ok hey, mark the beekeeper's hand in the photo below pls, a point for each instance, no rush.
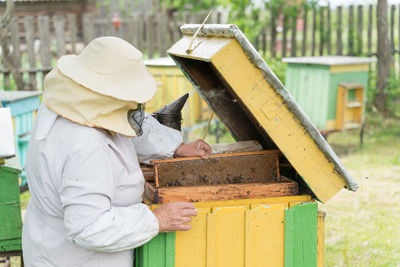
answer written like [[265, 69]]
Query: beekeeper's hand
[[175, 216], [198, 148]]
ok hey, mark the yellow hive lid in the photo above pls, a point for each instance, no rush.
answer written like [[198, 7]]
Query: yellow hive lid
[[251, 101]]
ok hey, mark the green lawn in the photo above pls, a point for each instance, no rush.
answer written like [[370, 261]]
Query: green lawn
[[362, 228]]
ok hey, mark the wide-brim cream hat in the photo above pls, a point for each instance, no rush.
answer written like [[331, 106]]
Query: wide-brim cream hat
[[86, 107], [112, 67]]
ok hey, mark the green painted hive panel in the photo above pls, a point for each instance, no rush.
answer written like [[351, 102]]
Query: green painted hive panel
[[10, 219], [301, 235], [158, 252], [309, 85]]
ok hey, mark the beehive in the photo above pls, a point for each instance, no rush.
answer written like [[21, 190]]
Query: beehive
[[247, 229], [10, 219], [23, 105], [315, 83]]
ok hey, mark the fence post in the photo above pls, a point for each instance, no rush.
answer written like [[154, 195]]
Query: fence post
[[303, 47], [314, 27], [45, 54], [150, 35], [339, 49], [293, 41], [350, 41], [328, 30], [16, 55], [370, 16], [273, 35], [321, 31], [28, 22], [88, 28], [360, 30], [59, 25], [284, 37], [72, 31]]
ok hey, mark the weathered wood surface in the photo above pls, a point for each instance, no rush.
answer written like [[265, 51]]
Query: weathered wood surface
[[339, 49], [360, 30], [241, 146], [350, 37], [219, 192], [230, 168]]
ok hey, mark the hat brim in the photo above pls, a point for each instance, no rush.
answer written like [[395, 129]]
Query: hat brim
[[138, 90]]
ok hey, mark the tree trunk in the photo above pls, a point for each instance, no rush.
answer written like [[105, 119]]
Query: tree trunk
[[384, 55]]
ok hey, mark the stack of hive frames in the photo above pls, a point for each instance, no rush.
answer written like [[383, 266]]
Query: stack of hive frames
[[221, 177]]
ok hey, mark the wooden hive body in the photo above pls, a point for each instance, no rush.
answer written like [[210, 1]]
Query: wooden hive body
[[270, 219]]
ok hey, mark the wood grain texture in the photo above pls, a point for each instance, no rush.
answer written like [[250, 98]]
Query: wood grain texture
[[301, 235], [229, 168], [219, 192]]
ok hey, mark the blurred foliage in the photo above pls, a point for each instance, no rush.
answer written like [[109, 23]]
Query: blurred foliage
[[248, 15], [278, 67], [392, 95]]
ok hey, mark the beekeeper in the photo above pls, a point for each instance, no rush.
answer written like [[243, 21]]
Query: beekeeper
[[82, 165]]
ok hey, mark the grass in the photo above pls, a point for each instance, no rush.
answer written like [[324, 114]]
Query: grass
[[362, 228]]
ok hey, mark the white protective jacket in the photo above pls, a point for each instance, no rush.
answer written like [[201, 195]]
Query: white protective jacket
[[86, 192]]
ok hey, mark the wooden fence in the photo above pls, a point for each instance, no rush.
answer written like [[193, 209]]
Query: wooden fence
[[44, 39], [320, 31]]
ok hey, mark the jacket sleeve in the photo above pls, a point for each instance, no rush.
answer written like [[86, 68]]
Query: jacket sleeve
[[88, 185], [157, 142]]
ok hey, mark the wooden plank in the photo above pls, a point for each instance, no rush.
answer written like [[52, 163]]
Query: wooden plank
[[273, 34], [370, 19], [392, 12], [140, 32], [359, 30], [271, 114], [321, 239], [191, 246], [72, 32], [350, 37], [328, 30], [45, 54], [314, 29], [203, 193], [175, 27], [284, 35], [227, 248], [304, 41], [242, 146], [339, 49], [88, 28], [29, 35], [265, 234], [301, 235], [321, 31], [15, 43], [162, 31], [293, 41], [133, 27], [150, 34], [59, 25]]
